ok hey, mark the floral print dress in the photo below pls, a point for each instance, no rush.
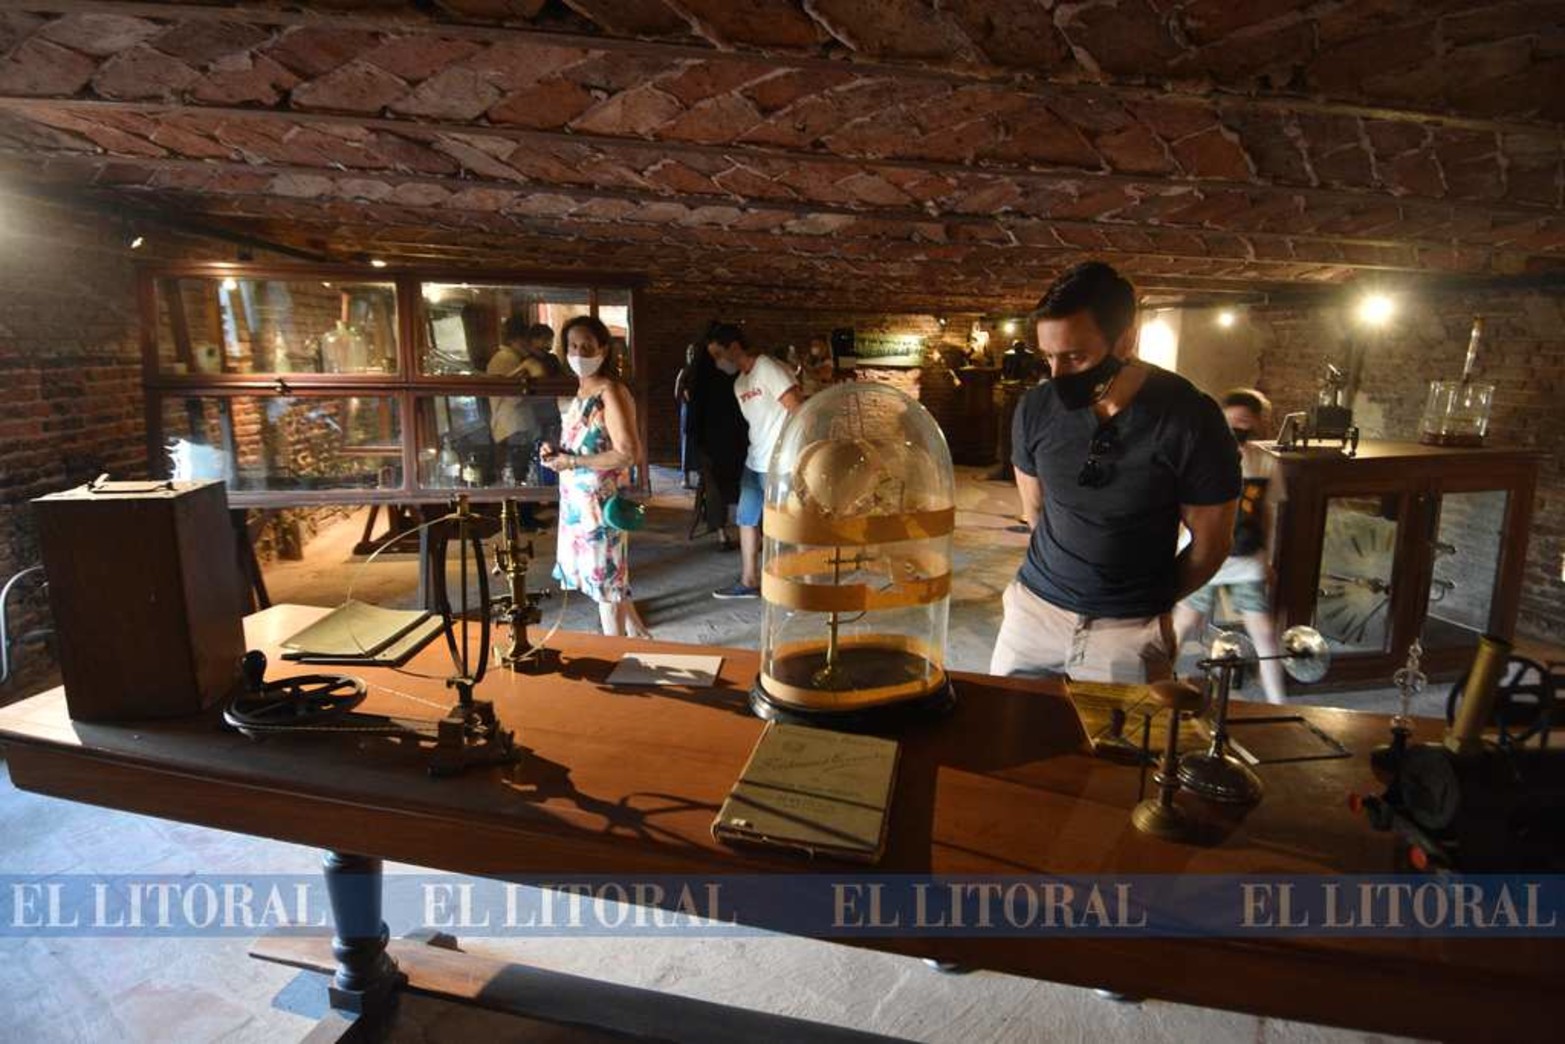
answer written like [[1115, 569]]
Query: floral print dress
[[590, 555]]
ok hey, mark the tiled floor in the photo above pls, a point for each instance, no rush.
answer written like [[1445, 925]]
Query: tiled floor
[[147, 988]]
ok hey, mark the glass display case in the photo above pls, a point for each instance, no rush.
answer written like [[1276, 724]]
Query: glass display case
[[463, 321], [1402, 541], [304, 384], [856, 563], [239, 324], [285, 443]]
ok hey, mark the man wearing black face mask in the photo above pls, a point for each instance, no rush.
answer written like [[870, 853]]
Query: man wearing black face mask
[[1111, 456]]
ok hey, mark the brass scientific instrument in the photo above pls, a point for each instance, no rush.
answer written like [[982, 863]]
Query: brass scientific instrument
[[1217, 774], [1160, 816], [1474, 804], [856, 564], [468, 734], [518, 609], [1410, 680], [1330, 419]]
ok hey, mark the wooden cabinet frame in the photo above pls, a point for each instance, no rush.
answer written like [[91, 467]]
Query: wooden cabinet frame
[[1418, 477]]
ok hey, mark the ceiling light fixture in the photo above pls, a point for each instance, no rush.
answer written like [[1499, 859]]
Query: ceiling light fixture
[[137, 242], [376, 262], [1226, 318]]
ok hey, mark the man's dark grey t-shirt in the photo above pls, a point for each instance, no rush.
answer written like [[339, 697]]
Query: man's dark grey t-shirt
[[1109, 551]]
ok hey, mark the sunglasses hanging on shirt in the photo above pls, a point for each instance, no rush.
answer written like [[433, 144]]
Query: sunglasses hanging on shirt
[[1098, 468]]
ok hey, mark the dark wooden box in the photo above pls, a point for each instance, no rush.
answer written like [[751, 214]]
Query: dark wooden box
[[146, 591]]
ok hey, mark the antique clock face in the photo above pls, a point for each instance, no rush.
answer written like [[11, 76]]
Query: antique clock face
[[1354, 595]]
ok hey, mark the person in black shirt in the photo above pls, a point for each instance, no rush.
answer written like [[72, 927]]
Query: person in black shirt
[[721, 436], [1111, 456]]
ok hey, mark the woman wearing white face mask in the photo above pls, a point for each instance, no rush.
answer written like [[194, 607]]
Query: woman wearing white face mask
[[598, 445]]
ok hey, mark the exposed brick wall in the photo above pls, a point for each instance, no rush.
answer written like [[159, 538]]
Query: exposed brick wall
[[71, 404], [1523, 354], [70, 380], [665, 325]]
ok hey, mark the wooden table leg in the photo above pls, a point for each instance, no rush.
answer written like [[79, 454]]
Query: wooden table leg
[[367, 979]]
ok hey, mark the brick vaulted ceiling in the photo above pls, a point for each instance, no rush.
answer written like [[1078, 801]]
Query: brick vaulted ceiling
[[936, 153]]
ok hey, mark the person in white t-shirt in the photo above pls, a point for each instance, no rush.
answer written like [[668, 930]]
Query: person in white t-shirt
[[768, 394], [1241, 579]]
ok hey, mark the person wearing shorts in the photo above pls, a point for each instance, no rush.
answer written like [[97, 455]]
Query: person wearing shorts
[[1241, 579], [768, 395]]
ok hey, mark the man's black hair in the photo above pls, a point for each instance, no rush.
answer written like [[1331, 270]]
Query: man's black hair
[[1249, 398], [726, 334], [1092, 287], [541, 330], [516, 328]]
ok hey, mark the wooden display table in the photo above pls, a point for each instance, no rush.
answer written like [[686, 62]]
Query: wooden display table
[[627, 782]]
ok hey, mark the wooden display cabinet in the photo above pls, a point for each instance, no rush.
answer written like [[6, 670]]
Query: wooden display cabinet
[[351, 384], [1401, 541]]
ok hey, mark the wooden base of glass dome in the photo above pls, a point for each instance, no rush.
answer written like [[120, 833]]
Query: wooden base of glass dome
[[869, 685]]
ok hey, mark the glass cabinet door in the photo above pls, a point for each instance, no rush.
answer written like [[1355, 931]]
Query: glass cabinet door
[[210, 325], [1466, 551], [278, 443], [1354, 587], [465, 323], [485, 441]]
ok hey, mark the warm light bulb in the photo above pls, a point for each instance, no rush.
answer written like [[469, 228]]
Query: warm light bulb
[[376, 262], [1376, 309], [1158, 345], [137, 242], [1009, 327], [230, 284], [1226, 318]]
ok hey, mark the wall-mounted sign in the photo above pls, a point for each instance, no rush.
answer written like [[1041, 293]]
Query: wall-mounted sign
[[889, 349]]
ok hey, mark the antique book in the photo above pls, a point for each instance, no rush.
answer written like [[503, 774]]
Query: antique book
[[813, 790]]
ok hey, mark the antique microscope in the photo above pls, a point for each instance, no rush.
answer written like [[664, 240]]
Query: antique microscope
[[516, 608]]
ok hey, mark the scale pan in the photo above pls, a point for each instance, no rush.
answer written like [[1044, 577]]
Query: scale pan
[[1305, 655], [1233, 645]]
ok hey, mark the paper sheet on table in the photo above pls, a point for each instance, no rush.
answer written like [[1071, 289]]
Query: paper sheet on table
[[666, 669]]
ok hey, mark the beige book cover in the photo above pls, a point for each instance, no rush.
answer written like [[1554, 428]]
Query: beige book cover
[[358, 630], [814, 790]]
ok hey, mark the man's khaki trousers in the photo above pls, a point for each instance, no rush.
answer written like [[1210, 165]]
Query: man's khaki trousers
[[1039, 638]]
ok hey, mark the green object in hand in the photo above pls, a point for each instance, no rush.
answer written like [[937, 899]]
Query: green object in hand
[[622, 513]]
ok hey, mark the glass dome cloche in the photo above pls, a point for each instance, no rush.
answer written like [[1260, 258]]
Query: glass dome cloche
[[856, 562]]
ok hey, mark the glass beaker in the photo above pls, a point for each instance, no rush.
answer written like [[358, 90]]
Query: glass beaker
[[1456, 413]]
